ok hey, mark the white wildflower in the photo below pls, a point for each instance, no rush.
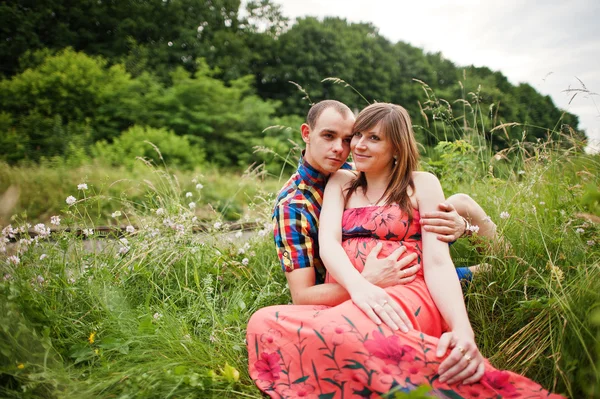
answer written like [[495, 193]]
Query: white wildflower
[[55, 220], [262, 233], [579, 230], [70, 200], [157, 316], [542, 203], [71, 280], [39, 279], [241, 251], [245, 261], [192, 205], [521, 172], [504, 215], [199, 186], [188, 194], [41, 230], [82, 186], [14, 260], [8, 231], [43, 256], [474, 228], [591, 243], [7, 277], [124, 241], [123, 250], [217, 225], [238, 234], [88, 232], [160, 211], [115, 214], [194, 219], [487, 219], [130, 229]]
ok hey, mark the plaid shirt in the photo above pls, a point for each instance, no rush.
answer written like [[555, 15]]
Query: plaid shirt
[[296, 220]]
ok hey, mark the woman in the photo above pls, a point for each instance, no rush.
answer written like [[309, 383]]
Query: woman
[[346, 350]]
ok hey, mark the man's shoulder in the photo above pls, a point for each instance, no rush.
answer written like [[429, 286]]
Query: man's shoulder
[[293, 194]]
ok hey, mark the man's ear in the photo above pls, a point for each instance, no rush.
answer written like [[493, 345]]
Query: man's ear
[[305, 130]]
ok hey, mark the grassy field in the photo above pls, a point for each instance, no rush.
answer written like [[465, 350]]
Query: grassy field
[[161, 312]]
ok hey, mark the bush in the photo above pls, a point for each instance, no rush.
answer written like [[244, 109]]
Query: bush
[[175, 151]]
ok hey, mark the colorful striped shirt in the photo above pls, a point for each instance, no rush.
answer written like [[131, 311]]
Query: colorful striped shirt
[[296, 220]]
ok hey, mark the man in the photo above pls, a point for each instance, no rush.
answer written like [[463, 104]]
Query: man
[[327, 134]]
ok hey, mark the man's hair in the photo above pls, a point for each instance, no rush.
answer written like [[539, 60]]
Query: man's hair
[[397, 127], [317, 109]]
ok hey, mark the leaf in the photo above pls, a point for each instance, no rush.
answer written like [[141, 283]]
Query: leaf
[[333, 382], [146, 326], [349, 321], [353, 365], [180, 370], [301, 379], [417, 311], [330, 395], [320, 336], [230, 373], [81, 353]]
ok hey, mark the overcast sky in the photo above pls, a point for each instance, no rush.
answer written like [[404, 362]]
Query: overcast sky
[[546, 44]]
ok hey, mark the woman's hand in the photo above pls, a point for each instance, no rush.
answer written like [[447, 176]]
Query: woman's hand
[[465, 363], [378, 305]]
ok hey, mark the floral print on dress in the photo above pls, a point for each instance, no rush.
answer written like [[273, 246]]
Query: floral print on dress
[[320, 352]]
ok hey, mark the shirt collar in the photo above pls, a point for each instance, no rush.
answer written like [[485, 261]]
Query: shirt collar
[[309, 174]]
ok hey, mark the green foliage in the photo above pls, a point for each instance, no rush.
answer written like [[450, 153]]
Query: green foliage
[[145, 142], [57, 103], [164, 312], [226, 118]]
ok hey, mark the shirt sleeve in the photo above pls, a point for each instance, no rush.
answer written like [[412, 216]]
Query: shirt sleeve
[[295, 247]]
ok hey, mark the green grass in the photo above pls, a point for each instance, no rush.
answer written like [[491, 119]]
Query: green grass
[[167, 318], [163, 314]]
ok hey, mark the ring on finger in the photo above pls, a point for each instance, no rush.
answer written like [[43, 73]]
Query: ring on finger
[[468, 357], [461, 349], [384, 303]]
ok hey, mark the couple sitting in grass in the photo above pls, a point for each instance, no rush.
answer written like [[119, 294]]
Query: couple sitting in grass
[[378, 306]]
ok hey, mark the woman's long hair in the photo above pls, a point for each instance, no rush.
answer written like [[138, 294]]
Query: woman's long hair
[[396, 125]]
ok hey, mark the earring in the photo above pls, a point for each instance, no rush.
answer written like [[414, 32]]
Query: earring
[[395, 159]]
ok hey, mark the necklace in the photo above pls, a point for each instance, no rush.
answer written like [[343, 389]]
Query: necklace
[[371, 203]]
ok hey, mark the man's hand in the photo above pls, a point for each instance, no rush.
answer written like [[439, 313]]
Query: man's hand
[[390, 270], [446, 223]]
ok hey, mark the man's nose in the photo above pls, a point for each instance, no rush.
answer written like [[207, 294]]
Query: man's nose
[[338, 145]]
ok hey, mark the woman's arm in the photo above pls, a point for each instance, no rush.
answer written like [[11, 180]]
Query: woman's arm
[[372, 300], [465, 362]]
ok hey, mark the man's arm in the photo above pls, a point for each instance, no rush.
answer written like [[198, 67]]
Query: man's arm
[[381, 272], [295, 250]]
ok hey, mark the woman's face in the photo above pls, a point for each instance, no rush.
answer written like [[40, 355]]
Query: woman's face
[[372, 150]]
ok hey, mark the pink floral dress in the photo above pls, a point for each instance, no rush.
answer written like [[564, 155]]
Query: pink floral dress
[[321, 352]]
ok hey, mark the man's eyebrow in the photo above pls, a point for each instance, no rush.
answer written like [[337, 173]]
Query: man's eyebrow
[[328, 131]]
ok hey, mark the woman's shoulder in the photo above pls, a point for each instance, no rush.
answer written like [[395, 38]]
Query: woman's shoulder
[[424, 178], [342, 177]]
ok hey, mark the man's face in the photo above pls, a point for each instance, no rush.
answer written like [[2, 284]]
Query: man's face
[[328, 142]]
